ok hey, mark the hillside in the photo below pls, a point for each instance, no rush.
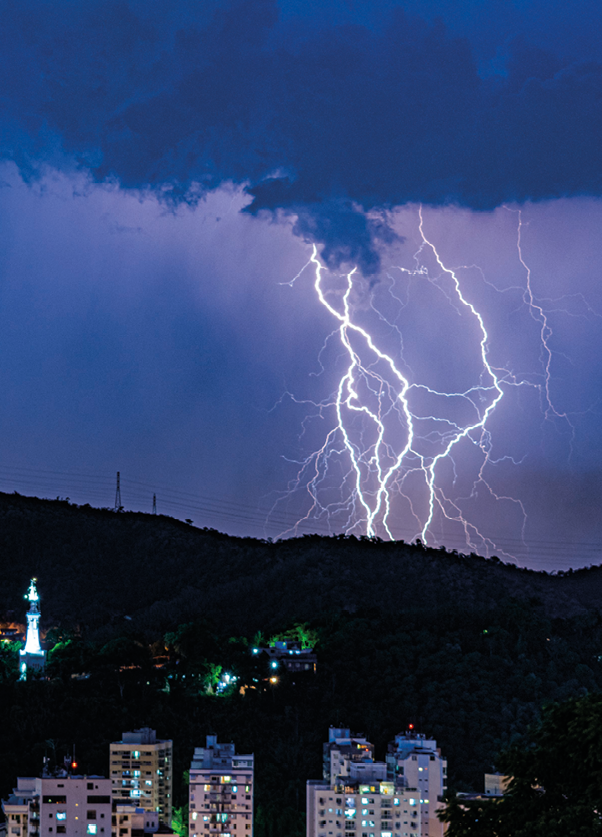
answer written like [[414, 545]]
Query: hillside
[[95, 566], [466, 649]]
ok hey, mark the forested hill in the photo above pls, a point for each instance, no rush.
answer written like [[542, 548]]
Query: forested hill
[[96, 566]]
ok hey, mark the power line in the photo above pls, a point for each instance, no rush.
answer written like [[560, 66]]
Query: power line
[[226, 511]]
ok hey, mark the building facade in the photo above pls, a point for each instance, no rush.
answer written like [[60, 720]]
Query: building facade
[[129, 821], [74, 806], [221, 791], [360, 797], [141, 772], [415, 761]]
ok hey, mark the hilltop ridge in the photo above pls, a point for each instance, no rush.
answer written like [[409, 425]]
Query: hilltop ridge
[[96, 565]]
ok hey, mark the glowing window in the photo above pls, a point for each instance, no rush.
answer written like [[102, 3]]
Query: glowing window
[[396, 801], [135, 754], [412, 801], [136, 773], [234, 789], [61, 815], [207, 787], [92, 828], [195, 815], [225, 779]]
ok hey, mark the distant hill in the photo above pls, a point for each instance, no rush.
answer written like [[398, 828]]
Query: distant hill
[[466, 649], [96, 566]]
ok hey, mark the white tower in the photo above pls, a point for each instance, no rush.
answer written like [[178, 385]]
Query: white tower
[[32, 655]]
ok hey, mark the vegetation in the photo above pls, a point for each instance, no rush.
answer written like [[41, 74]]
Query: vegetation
[[147, 615], [556, 785]]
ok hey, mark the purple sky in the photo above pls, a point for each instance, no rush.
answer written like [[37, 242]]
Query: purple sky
[[159, 344], [148, 330]]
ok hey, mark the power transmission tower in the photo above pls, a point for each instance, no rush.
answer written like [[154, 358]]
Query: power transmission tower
[[154, 504], [118, 494]]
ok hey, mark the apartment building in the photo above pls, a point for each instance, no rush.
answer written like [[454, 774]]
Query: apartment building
[[130, 821], [141, 772], [415, 761], [360, 797], [74, 806], [221, 791]]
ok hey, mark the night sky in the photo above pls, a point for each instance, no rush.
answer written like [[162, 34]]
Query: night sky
[[166, 171]]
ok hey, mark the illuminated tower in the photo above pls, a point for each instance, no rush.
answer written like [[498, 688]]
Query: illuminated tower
[[32, 655]]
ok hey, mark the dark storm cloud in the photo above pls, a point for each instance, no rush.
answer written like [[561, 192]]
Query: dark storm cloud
[[326, 121]]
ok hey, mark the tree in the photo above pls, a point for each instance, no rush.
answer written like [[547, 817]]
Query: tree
[[556, 784]]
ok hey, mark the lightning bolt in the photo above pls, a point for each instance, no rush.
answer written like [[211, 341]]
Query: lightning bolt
[[384, 445]]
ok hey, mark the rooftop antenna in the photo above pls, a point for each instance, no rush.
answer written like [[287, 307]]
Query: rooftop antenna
[[118, 493], [154, 504]]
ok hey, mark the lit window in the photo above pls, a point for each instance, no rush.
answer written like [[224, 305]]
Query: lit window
[[148, 782], [234, 789], [135, 754], [225, 779], [92, 827], [61, 815], [136, 773], [364, 801], [195, 815], [396, 801], [207, 787]]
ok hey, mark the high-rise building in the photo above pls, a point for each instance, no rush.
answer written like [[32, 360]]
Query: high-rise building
[[221, 791], [415, 761], [32, 657], [141, 772], [360, 797], [74, 806]]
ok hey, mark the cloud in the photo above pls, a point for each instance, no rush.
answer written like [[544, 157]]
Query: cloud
[[352, 116]]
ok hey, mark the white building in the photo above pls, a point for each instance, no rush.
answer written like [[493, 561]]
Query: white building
[[129, 821], [32, 657], [415, 761], [221, 791], [71, 805], [141, 772], [359, 797]]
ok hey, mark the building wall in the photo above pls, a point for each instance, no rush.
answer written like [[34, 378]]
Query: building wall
[[74, 806], [221, 792], [141, 775], [378, 810], [129, 821]]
